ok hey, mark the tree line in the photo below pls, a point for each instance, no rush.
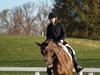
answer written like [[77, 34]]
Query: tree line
[[29, 18], [81, 18]]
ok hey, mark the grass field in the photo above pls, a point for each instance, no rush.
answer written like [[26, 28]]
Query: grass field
[[22, 51]]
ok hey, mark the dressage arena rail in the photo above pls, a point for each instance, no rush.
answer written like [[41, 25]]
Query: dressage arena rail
[[37, 70]]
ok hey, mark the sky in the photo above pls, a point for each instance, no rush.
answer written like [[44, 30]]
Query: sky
[[10, 4]]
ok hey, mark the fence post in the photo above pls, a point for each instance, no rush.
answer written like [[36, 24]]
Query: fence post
[[81, 73], [37, 73], [90, 73]]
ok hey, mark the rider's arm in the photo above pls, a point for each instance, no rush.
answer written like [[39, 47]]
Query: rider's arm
[[62, 34]]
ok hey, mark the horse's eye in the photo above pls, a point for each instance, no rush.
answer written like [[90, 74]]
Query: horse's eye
[[44, 52]]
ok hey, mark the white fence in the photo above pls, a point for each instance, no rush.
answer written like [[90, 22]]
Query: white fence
[[37, 70]]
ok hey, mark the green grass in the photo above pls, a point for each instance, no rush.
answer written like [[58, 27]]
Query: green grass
[[22, 51], [87, 51], [20, 73]]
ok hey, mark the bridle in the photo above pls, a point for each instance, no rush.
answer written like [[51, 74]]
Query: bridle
[[54, 56]]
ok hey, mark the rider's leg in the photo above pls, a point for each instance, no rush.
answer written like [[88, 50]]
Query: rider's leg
[[77, 67]]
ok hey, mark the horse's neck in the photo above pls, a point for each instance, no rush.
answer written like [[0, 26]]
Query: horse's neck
[[61, 55], [54, 47], [63, 61], [60, 61]]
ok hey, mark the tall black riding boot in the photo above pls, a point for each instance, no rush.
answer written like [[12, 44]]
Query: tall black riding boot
[[77, 67], [49, 71]]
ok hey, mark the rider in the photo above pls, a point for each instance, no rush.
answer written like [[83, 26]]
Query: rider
[[56, 32]]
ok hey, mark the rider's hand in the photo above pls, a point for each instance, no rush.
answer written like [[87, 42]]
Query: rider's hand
[[61, 41]]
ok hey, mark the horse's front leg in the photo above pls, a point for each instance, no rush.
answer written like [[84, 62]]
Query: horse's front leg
[[49, 71]]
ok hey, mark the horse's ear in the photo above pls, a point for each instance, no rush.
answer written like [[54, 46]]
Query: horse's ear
[[38, 44], [46, 43]]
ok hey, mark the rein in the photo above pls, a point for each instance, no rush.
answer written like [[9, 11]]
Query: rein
[[56, 55]]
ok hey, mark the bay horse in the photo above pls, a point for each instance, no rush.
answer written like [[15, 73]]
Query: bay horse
[[56, 58]]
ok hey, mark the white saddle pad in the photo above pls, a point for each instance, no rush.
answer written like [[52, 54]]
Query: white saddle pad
[[65, 49]]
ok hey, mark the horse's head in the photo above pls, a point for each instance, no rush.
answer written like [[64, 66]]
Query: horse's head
[[47, 52]]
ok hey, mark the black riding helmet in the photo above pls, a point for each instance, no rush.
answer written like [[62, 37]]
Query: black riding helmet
[[51, 15]]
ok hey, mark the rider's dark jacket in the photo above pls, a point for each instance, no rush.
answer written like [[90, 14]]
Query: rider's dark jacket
[[56, 32]]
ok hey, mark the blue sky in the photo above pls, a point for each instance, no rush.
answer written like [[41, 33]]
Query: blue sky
[[9, 4]]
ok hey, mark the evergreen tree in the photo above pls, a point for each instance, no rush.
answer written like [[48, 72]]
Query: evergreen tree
[[80, 17]]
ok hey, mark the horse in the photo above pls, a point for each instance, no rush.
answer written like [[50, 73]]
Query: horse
[[56, 58]]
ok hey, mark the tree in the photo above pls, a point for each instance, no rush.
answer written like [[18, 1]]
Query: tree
[[80, 17], [42, 16], [23, 18], [90, 15], [17, 19], [4, 21]]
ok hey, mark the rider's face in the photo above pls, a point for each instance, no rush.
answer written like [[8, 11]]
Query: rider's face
[[53, 20]]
